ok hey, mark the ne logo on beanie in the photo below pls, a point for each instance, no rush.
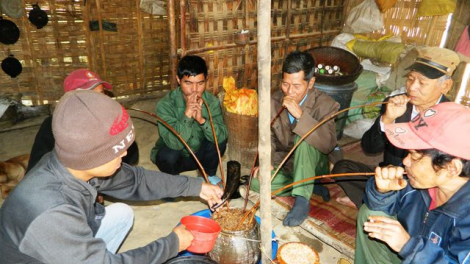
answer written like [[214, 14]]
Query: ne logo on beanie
[[119, 124], [90, 129]]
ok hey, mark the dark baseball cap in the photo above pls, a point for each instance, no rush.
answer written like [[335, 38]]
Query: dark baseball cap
[[435, 62]]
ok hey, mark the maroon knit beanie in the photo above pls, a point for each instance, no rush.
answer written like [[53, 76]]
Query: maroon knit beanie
[[90, 129]]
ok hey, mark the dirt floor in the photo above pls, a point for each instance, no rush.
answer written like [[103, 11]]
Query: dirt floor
[[156, 219]]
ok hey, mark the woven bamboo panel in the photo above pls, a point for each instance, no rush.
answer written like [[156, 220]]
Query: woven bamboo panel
[[296, 25], [401, 20], [131, 57], [46, 54], [460, 19], [134, 59]]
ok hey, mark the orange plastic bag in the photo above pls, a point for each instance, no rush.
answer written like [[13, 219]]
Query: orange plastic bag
[[385, 5], [242, 101]]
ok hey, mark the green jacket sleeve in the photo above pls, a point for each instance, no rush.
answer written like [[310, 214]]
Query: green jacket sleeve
[[173, 114], [217, 118]]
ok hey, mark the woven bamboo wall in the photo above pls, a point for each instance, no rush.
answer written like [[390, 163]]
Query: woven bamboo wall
[[46, 54], [134, 59], [401, 20], [461, 18], [136, 54], [211, 27]]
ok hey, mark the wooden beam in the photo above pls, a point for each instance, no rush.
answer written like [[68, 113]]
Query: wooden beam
[[104, 74], [264, 143], [173, 48], [183, 27], [91, 58], [140, 45]]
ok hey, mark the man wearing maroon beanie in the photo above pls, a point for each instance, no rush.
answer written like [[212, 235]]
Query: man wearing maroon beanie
[[81, 79], [52, 217]]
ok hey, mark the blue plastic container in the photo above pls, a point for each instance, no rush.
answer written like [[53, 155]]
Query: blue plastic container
[[207, 214]]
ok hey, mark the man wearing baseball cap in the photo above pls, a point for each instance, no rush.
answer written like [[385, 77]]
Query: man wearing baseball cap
[[427, 82], [84, 79], [51, 216], [420, 213], [81, 79]]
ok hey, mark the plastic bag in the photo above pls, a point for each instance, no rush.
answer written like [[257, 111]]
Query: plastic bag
[[385, 5], [373, 111], [340, 41], [154, 7], [357, 128], [364, 18], [382, 51], [242, 101], [463, 46], [436, 7]]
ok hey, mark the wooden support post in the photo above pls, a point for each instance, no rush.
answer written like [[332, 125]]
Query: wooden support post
[[183, 26], [264, 143], [140, 44], [91, 58], [173, 52], [103, 74]]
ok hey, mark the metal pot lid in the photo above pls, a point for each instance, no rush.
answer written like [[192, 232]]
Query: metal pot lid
[[38, 17], [12, 66], [192, 259], [12, 8], [9, 32]]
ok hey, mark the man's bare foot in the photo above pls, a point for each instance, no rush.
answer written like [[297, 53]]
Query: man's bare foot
[[346, 201]]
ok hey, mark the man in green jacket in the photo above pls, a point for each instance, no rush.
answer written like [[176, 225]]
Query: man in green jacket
[[183, 109], [305, 107]]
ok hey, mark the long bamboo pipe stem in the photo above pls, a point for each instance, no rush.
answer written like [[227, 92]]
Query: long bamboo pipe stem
[[303, 137], [216, 143], [253, 209], [252, 171], [314, 128], [177, 135]]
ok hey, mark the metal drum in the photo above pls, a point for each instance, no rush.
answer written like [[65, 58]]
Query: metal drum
[[237, 247], [343, 95]]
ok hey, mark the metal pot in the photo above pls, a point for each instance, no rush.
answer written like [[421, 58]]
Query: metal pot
[[38, 17], [238, 247], [12, 66], [9, 32], [191, 260]]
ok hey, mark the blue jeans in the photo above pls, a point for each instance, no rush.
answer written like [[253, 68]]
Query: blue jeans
[[115, 225]]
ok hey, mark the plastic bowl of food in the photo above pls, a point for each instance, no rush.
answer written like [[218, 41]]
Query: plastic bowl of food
[[297, 253]]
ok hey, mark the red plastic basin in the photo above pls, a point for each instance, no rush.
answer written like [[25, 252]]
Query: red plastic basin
[[204, 230]]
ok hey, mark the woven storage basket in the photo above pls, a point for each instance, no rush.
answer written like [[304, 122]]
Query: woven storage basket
[[242, 137], [346, 61]]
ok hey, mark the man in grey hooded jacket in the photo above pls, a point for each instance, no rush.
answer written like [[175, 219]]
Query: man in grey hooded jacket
[[52, 217]]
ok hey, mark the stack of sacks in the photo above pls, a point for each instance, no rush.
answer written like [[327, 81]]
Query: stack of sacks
[[381, 50]]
